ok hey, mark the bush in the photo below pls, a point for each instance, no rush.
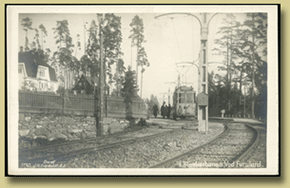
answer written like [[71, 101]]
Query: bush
[[142, 122], [131, 121]]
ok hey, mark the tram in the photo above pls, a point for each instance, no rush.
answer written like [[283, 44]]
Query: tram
[[184, 103]]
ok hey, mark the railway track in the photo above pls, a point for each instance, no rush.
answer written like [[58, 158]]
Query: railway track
[[140, 153], [68, 144], [233, 145], [61, 151]]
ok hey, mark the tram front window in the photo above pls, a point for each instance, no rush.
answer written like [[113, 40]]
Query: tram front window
[[189, 97], [181, 97]]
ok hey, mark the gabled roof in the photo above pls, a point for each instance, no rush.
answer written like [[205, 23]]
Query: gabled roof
[[32, 61], [91, 80]]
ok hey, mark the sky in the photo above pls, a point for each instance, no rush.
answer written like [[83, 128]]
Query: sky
[[169, 39]]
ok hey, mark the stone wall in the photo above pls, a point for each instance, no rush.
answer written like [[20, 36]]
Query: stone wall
[[52, 127]]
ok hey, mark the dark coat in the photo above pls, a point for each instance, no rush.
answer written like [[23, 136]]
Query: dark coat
[[168, 110], [155, 110]]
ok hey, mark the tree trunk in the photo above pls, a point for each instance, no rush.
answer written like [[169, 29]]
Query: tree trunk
[[253, 69], [141, 82], [26, 42], [42, 40], [129, 113], [137, 65], [245, 100], [227, 80], [230, 68], [117, 75], [240, 88]]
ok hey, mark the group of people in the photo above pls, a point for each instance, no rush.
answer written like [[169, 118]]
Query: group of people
[[165, 110]]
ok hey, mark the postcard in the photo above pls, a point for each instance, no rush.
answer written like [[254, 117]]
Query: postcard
[[143, 90]]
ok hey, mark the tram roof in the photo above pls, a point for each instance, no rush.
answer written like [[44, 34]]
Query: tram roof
[[184, 88]]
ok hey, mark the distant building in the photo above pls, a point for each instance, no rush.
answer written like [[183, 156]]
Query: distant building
[[34, 74], [87, 85]]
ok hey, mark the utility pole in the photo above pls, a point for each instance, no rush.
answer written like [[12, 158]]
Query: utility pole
[[253, 69], [245, 96], [101, 84], [204, 20], [169, 96]]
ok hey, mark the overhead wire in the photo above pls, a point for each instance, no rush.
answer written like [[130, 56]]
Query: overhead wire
[[180, 74], [168, 46], [176, 38], [192, 39], [184, 76], [211, 43]]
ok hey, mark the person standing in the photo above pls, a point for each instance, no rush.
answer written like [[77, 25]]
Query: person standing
[[165, 111], [168, 111], [180, 112], [162, 110], [155, 110]]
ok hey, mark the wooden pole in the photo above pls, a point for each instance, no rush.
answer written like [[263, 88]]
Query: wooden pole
[[253, 69], [99, 117]]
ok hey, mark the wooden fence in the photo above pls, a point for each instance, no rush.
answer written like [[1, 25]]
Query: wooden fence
[[30, 102]]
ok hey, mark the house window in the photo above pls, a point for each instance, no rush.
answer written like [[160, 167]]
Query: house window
[[41, 72], [20, 70]]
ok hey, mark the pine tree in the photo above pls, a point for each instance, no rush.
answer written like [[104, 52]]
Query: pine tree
[[137, 37], [112, 45], [119, 75], [26, 24], [142, 61], [43, 34], [245, 49], [130, 87], [253, 50], [90, 61], [257, 24], [129, 90], [226, 46], [63, 56]]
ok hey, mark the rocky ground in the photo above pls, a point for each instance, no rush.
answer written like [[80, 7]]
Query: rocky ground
[[38, 130], [141, 154], [146, 153]]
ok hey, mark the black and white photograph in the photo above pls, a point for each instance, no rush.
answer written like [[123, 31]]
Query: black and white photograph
[[146, 90]]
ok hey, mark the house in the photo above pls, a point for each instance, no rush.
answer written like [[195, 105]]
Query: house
[[87, 85], [35, 74]]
